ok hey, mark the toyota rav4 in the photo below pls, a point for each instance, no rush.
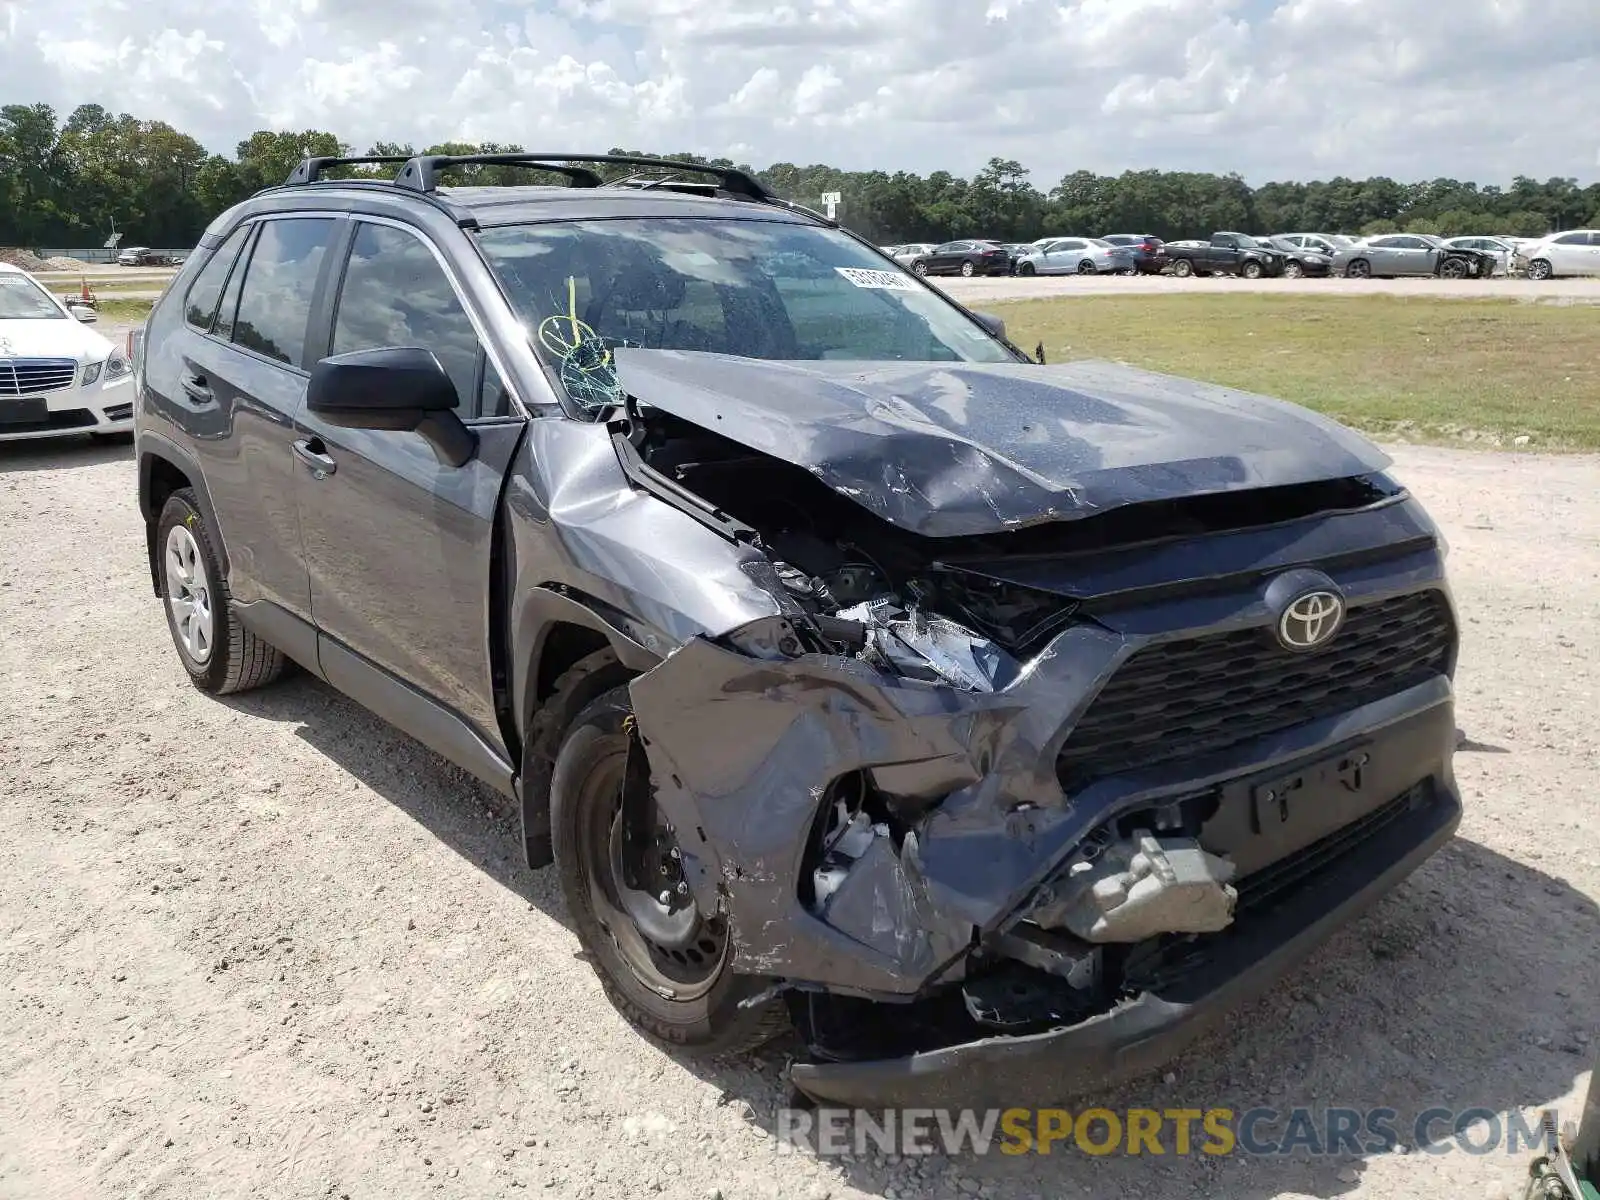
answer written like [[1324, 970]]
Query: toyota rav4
[[998, 725]]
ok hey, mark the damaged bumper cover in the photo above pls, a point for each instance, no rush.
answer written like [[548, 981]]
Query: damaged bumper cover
[[748, 746]]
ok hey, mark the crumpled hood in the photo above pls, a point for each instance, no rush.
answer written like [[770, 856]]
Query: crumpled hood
[[50, 338], [956, 449]]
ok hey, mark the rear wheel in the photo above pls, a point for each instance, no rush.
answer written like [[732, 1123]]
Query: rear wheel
[[220, 655], [1540, 269], [1183, 268], [663, 963], [1086, 267]]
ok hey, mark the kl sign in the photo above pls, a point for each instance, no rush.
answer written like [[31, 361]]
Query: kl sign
[[830, 201]]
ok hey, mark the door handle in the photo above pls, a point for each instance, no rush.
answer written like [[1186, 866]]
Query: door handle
[[196, 386], [314, 454]]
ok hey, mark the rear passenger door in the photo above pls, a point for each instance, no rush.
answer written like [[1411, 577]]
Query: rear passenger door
[[399, 544], [242, 379]]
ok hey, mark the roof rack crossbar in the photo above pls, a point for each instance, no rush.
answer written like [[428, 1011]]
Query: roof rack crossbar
[[421, 173], [310, 169]]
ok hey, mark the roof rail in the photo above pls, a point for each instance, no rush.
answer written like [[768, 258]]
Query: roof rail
[[421, 173], [310, 169]]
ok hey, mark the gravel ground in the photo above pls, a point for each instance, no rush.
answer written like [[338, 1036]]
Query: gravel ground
[[268, 946], [1560, 291]]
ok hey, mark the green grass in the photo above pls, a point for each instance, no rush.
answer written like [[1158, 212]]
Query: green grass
[[1481, 371], [129, 312]]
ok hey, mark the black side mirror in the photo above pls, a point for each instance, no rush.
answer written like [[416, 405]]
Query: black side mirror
[[992, 323], [400, 388]]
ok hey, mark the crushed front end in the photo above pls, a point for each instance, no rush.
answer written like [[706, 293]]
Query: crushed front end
[[1007, 814]]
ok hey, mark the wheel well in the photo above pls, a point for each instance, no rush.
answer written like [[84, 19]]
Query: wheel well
[[565, 645], [161, 479]]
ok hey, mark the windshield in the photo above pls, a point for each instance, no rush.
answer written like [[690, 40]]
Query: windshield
[[21, 299], [756, 289], [1246, 242]]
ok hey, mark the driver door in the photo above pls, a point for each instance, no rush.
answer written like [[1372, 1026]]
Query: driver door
[[398, 543]]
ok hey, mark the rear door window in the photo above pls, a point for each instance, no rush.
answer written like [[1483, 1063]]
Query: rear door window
[[275, 301]]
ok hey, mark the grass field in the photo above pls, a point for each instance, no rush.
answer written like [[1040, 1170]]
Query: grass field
[[1438, 370], [1480, 371], [125, 311]]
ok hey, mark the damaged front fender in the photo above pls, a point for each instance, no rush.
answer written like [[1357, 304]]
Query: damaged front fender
[[744, 751]]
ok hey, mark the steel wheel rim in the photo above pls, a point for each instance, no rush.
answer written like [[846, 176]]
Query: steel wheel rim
[[189, 595], [680, 974]]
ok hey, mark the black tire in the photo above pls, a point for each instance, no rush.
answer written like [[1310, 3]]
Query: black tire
[[1251, 269], [1294, 270], [575, 689], [237, 660], [919, 268], [1183, 268], [1358, 268], [1086, 267], [1453, 268], [710, 1023], [968, 270], [1541, 269], [1026, 268]]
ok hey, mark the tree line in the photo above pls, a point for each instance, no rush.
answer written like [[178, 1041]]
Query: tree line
[[74, 182]]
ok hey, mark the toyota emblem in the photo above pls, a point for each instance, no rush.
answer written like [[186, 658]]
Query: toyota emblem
[[1310, 620]]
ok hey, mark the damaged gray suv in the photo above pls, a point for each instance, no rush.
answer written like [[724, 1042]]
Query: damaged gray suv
[[996, 725]]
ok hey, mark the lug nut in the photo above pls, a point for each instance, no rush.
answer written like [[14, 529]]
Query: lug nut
[[676, 853], [666, 897], [683, 889]]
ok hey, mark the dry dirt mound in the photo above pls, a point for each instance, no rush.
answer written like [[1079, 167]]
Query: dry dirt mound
[[26, 259]]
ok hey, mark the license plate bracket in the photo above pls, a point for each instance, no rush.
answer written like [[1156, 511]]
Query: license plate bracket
[[30, 410], [1272, 800]]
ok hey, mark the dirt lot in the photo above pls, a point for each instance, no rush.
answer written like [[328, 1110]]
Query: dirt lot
[[270, 947]]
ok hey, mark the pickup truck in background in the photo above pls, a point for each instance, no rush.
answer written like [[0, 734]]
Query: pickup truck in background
[[1225, 254]]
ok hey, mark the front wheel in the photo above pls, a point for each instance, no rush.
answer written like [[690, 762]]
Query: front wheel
[[1026, 268], [664, 965], [919, 268], [1183, 268], [1540, 269], [1452, 268], [220, 655], [1294, 271], [1251, 270], [1359, 269]]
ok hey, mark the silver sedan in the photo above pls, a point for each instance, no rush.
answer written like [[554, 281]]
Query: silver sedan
[[1076, 256]]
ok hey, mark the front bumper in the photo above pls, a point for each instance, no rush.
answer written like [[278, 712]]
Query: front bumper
[[1150, 1029], [96, 408]]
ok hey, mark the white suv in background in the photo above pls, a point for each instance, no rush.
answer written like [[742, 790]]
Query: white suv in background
[[1575, 252], [56, 377]]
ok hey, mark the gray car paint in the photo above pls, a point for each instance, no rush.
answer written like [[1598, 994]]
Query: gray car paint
[[952, 449], [739, 735]]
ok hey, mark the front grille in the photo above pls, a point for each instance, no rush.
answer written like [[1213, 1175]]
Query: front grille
[[1181, 699], [31, 376]]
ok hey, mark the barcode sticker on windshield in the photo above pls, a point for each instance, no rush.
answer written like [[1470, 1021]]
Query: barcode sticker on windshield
[[885, 280]]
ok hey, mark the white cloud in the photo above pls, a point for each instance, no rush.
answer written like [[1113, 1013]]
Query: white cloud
[[1269, 88]]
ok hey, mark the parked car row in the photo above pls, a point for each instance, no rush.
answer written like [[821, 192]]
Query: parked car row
[[1290, 255]]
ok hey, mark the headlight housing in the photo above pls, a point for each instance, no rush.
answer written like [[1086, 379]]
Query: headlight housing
[[118, 366], [91, 373]]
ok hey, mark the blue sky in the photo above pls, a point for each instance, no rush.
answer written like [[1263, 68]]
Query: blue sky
[[1481, 89]]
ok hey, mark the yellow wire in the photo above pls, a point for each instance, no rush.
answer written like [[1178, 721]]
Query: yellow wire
[[572, 309]]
